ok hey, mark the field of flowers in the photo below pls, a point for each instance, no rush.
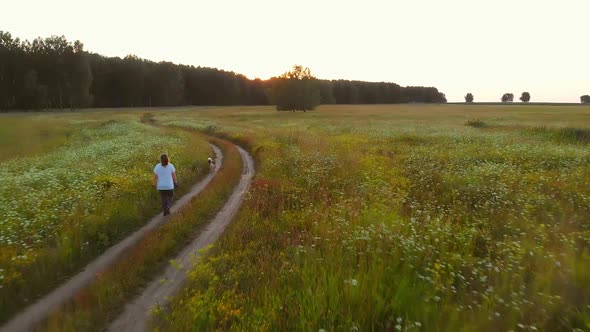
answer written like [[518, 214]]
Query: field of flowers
[[400, 218], [96, 306], [62, 207]]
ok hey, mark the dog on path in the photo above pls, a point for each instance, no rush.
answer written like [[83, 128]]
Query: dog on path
[[211, 163]]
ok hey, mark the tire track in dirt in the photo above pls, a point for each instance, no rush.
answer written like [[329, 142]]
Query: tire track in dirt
[[31, 316], [136, 315]]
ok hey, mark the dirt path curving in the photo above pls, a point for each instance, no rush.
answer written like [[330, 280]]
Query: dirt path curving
[[27, 319], [136, 316]]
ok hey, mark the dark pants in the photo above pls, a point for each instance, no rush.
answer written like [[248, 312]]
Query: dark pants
[[166, 196]]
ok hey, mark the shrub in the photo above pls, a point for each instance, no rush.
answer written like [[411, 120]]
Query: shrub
[[476, 123]]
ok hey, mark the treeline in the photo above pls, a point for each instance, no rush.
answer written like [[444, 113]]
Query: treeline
[[358, 92], [53, 73]]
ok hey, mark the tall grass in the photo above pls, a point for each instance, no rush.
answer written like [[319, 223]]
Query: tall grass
[[61, 209], [385, 218], [26, 136], [94, 307], [476, 123], [565, 135], [394, 227]]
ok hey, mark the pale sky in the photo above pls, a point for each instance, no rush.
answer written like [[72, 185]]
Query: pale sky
[[481, 46]]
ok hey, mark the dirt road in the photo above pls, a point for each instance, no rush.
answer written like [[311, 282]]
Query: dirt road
[[136, 316]]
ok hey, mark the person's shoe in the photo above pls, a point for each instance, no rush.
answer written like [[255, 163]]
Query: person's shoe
[[167, 212]]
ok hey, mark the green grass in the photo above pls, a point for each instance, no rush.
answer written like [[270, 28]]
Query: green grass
[[564, 135], [387, 217], [64, 206], [99, 303], [475, 123], [400, 218], [26, 136]]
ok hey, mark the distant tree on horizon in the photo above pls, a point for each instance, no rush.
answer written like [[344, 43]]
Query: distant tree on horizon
[[525, 97], [296, 90], [508, 98], [585, 99], [469, 98]]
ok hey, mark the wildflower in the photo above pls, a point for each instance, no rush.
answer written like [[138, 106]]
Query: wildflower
[[352, 282]]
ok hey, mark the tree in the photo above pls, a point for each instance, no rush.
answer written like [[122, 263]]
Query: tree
[[296, 90], [326, 93], [132, 79], [420, 94], [8, 66], [508, 98], [298, 73], [80, 78], [585, 99], [165, 86], [34, 95], [469, 98], [525, 97]]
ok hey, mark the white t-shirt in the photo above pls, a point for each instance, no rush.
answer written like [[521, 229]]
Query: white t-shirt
[[164, 174]]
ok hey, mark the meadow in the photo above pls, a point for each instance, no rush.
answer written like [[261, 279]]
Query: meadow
[[385, 217], [97, 305], [400, 218], [73, 185]]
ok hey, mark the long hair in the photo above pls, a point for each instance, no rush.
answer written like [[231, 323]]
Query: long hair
[[164, 159]]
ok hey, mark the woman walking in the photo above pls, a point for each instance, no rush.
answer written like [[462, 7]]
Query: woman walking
[[165, 182]]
